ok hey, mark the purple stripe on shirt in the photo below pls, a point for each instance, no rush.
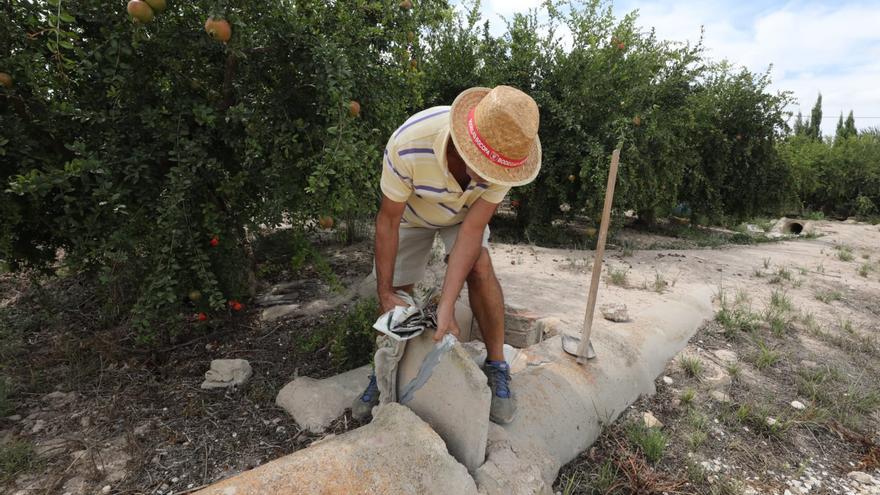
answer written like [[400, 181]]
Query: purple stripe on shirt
[[454, 212], [420, 218], [388, 161], [411, 151], [408, 124], [433, 189]]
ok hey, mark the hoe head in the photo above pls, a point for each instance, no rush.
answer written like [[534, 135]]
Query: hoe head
[[570, 344]]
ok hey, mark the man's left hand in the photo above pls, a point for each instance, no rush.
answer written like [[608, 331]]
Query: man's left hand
[[446, 323]]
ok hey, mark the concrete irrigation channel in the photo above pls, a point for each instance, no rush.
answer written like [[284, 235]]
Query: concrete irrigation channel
[[442, 442]]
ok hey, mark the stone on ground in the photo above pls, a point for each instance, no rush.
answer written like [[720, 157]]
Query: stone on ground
[[861, 476], [614, 312], [314, 404], [454, 401], [720, 396], [726, 356], [798, 405], [650, 420], [396, 453], [227, 373]]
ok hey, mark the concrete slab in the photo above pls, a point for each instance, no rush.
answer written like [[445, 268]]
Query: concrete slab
[[314, 404], [455, 400], [396, 453], [562, 405]]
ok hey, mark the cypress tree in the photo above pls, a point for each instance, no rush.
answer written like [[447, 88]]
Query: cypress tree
[[849, 128], [815, 126], [840, 133]]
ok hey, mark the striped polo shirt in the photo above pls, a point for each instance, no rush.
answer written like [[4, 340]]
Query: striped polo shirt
[[415, 172]]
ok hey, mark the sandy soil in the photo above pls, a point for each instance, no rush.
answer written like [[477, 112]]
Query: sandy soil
[[799, 323]]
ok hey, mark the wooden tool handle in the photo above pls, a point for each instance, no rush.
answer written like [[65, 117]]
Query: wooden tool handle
[[597, 260]]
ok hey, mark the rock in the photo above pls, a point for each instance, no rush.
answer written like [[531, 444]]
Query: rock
[[106, 489], [754, 229], [39, 425], [396, 453], [614, 312], [51, 447], [314, 404], [720, 396], [227, 373], [861, 477], [14, 418], [726, 356], [76, 485], [58, 399], [668, 380], [650, 420], [798, 405], [772, 421], [113, 459], [275, 312], [457, 384], [142, 429], [511, 469]]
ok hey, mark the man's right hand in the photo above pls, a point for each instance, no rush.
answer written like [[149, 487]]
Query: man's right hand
[[388, 300]]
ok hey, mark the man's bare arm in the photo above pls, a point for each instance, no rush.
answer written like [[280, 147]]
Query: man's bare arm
[[461, 261], [387, 238]]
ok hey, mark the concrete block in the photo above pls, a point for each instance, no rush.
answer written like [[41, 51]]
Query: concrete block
[[314, 404], [396, 453], [455, 401], [521, 328]]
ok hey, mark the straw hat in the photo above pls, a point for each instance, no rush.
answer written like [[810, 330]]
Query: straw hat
[[496, 133]]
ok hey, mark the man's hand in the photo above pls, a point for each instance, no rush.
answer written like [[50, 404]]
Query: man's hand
[[388, 300], [446, 323]]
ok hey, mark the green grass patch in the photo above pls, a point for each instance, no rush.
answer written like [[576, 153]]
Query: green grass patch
[[828, 296], [844, 253], [849, 400], [766, 357], [617, 276], [6, 407], [778, 322], [738, 317], [780, 301], [650, 441], [688, 396], [692, 366], [16, 457]]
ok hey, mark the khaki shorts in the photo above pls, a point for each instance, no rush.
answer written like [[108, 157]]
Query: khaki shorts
[[414, 251]]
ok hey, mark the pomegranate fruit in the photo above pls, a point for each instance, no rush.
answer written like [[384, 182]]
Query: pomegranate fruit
[[219, 29], [140, 11]]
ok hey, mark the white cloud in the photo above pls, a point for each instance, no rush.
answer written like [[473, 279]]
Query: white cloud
[[813, 48], [829, 47]]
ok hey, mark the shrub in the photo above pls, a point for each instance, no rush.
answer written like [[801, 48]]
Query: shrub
[[146, 152]]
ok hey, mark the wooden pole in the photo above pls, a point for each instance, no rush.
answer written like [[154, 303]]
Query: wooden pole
[[597, 260]]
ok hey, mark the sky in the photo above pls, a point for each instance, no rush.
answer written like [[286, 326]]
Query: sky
[[832, 47]]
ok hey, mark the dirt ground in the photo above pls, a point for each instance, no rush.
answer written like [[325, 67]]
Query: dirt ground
[[780, 394], [800, 321]]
